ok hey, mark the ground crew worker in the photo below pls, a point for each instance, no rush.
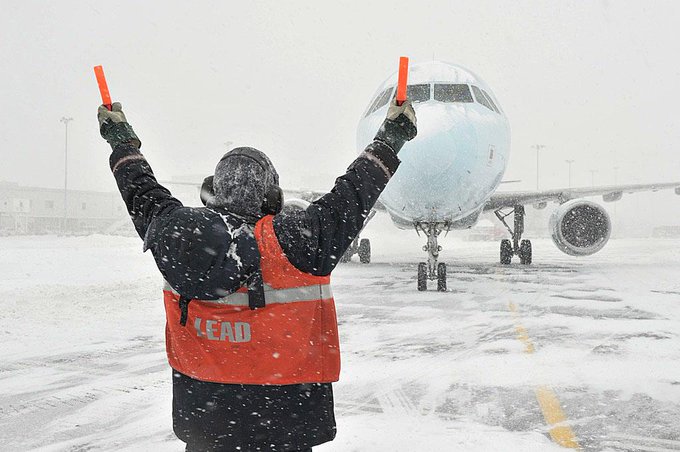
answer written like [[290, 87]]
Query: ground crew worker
[[251, 331]]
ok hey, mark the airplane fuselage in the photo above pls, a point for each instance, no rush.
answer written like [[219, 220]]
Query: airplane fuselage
[[457, 161]]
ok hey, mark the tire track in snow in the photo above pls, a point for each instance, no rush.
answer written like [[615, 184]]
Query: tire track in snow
[[74, 396], [81, 357], [397, 403], [43, 421], [622, 441]]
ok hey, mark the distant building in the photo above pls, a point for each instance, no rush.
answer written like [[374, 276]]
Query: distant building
[[37, 210]]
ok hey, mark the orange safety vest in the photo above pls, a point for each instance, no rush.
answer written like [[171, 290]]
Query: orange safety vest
[[292, 340]]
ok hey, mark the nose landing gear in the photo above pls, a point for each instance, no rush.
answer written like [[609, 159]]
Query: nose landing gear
[[432, 269], [516, 247]]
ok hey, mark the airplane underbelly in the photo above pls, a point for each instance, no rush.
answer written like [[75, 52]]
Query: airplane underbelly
[[444, 197]]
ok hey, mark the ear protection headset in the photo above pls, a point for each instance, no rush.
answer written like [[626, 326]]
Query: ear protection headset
[[273, 197]]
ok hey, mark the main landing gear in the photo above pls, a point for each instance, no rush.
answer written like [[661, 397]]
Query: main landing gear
[[362, 248], [432, 269], [516, 247]]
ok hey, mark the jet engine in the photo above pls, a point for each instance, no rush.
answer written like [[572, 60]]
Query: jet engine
[[295, 204], [580, 227]]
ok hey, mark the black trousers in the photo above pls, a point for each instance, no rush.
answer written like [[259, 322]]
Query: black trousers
[[191, 449], [218, 417]]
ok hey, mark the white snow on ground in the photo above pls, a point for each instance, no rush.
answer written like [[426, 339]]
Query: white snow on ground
[[83, 364]]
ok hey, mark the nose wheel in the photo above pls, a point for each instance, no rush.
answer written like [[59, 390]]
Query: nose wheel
[[516, 246], [432, 270], [441, 277], [422, 276]]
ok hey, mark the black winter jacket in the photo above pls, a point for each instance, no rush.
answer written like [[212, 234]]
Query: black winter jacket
[[191, 249]]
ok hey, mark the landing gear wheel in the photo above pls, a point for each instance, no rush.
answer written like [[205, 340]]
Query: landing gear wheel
[[422, 276], [506, 252], [346, 257], [441, 277], [525, 253], [364, 251]]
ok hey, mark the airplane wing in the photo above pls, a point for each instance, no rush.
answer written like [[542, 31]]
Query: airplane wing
[[611, 193], [305, 195], [311, 195]]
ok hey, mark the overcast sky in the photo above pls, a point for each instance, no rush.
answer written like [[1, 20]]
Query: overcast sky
[[596, 82]]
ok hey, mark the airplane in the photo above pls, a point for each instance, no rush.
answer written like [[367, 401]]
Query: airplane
[[450, 173]]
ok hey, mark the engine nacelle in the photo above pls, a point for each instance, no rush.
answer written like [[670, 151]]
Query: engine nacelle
[[580, 227], [295, 204]]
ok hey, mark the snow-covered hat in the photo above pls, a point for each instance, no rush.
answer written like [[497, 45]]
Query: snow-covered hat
[[242, 177]]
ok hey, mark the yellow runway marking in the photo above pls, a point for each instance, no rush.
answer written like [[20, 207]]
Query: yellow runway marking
[[523, 336], [560, 431]]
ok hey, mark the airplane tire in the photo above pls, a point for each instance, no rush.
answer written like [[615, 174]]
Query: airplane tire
[[422, 276], [525, 252], [506, 252], [346, 257], [365, 251], [441, 277]]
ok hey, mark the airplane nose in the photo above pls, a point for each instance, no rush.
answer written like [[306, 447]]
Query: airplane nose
[[445, 137], [434, 177]]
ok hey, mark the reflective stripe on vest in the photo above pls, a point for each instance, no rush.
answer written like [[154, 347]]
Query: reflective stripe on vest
[[290, 295], [293, 339]]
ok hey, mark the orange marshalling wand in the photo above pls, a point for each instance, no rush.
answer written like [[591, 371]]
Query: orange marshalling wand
[[103, 87], [403, 80]]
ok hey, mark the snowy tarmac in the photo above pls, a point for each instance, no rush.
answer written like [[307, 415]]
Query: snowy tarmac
[[510, 358]]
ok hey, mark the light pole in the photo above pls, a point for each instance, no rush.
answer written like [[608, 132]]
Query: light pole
[[592, 177], [538, 147], [569, 162], [65, 120]]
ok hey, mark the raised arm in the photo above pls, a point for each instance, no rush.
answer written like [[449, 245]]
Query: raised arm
[[177, 236], [144, 197], [315, 239]]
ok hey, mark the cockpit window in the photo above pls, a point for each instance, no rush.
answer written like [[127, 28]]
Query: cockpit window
[[380, 101], [447, 92], [481, 98], [491, 102], [415, 93], [418, 93]]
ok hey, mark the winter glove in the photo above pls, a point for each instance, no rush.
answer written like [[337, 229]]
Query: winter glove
[[114, 128], [399, 127]]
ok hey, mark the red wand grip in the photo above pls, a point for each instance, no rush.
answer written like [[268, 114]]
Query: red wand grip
[[403, 80], [103, 87]]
